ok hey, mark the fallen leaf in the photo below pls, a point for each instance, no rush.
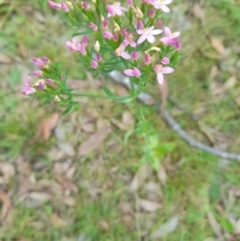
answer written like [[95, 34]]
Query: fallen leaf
[[125, 207], [149, 206], [140, 177], [128, 120], [214, 224], [230, 83], [67, 148], [198, 12], [6, 207], [67, 184], [104, 225], [70, 201], [56, 221], [88, 127], [237, 227], [166, 228], [46, 127], [4, 59], [7, 171], [210, 239], [40, 196], [217, 45], [162, 175], [94, 141]]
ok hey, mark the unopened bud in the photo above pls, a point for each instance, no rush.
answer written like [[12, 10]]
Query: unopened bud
[[97, 46], [116, 27], [69, 4]]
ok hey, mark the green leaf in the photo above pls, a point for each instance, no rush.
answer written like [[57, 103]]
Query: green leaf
[[226, 223], [82, 33]]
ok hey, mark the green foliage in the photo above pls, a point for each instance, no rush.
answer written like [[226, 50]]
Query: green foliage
[[153, 149]]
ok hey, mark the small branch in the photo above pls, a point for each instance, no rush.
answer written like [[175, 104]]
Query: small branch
[[148, 99]]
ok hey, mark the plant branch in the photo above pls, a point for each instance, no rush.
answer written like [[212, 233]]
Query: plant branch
[[148, 99]]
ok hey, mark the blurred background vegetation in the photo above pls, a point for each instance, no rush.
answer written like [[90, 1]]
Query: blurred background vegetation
[[92, 174]]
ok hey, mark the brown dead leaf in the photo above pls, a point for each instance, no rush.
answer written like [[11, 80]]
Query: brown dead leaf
[[230, 83], [162, 175], [125, 207], [88, 127], [149, 206], [140, 177], [198, 12], [40, 196], [56, 221], [4, 59], [7, 171], [128, 120], [104, 225], [217, 45], [67, 184], [6, 207], [214, 224], [46, 127], [94, 141], [70, 201]]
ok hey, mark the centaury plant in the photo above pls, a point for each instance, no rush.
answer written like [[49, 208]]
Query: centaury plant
[[128, 37]]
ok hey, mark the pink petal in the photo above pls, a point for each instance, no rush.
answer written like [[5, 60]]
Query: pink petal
[[141, 39], [167, 31], [165, 9], [156, 31], [176, 34], [125, 55], [167, 2], [141, 31], [167, 70], [129, 72], [151, 39], [160, 78]]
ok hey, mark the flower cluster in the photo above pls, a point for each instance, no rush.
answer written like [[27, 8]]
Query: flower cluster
[[40, 84], [129, 37]]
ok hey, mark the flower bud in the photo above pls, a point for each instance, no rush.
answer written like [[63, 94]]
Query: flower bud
[[135, 55], [147, 59], [85, 5], [93, 26], [138, 12], [97, 46], [151, 13], [94, 64], [165, 60], [140, 24], [116, 27]]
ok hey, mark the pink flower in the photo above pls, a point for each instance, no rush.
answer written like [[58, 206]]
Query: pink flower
[[84, 40], [160, 71], [93, 26], [81, 48], [28, 89], [40, 62], [73, 46], [104, 23], [165, 60], [54, 5], [115, 9], [147, 33], [99, 58], [130, 2], [161, 4], [121, 53], [151, 13], [49, 81], [140, 24], [37, 72], [129, 40], [85, 5], [147, 59], [135, 55], [94, 64], [171, 38], [115, 37], [135, 72], [107, 35], [64, 7], [159, 23]]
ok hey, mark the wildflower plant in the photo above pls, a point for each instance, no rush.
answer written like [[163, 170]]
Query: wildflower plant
[[127, 36]]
